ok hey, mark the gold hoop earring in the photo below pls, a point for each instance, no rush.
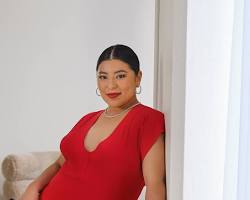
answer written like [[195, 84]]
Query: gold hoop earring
[[138, 92], [96, 91]]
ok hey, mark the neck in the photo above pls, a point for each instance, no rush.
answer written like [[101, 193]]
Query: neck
[[114, 110]]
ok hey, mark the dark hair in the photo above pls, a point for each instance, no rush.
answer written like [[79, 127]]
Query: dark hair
[[123, 53]]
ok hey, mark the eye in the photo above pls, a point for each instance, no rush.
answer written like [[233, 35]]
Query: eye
[[120, 76], [102, 77]]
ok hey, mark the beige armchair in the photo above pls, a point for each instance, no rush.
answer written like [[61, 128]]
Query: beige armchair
[[20, 169]]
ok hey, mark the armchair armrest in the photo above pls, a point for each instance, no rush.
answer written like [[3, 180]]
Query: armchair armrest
[[27, 166], [19, 170]]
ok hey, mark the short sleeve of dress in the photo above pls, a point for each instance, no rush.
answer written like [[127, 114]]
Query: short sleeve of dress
[[152, 127]]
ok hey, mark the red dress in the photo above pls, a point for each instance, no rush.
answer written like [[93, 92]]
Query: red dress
[[113, 171]]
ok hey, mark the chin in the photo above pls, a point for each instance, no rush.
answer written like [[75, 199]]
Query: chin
[[114, 104]]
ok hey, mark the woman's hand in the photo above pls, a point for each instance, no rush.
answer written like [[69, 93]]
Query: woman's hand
[[31, 193], [33, 190]]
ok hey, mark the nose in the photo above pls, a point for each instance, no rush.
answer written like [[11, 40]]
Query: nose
[[112, 83]]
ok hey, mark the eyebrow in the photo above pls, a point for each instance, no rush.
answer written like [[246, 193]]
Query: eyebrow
[[101, 72]]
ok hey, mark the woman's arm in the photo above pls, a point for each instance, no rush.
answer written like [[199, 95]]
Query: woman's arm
[[35, 187], [154, 171]]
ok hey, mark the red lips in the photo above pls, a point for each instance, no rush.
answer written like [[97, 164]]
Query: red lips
[[113, 94]]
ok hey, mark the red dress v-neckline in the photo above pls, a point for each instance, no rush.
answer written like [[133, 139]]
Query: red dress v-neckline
[[112, 134], [114, 169]]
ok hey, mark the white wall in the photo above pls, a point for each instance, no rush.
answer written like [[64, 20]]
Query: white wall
[[48, 52], [170, 88]]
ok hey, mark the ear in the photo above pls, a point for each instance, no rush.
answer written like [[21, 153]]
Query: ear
[[138, 78]]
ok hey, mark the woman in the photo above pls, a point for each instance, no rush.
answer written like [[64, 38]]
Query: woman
[[110, 154]]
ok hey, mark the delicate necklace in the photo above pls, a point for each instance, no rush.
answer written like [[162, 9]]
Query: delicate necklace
[[107, 115]]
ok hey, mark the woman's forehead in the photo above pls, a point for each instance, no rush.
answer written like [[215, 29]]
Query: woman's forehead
[[113, 66]]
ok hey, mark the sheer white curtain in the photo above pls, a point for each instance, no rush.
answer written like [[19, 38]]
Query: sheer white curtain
[[202, 83], [237, 163], [244, 147]]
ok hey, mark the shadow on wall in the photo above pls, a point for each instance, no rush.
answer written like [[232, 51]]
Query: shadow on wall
[[1, 183]]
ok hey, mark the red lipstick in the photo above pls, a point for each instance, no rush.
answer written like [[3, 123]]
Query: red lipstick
[[113, 95]]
